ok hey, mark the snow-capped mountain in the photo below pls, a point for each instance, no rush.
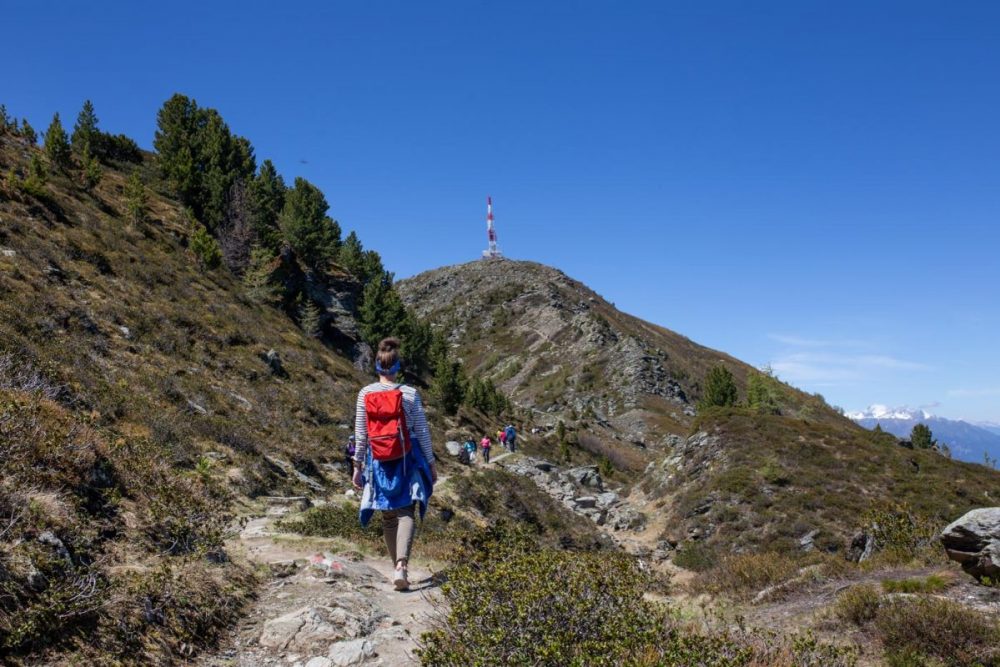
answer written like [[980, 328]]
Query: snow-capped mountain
[[877, 411], [967, 441]]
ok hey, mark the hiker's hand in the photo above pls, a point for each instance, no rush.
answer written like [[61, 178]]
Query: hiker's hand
[[434, 473], [356, 479]]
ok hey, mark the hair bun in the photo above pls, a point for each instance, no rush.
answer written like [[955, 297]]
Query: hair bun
[[388, 345]]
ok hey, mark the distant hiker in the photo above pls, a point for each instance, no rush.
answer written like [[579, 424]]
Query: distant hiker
[[349, 451], [469, 452], [502, 437], [393, 460], [485, 444], [511, 434]]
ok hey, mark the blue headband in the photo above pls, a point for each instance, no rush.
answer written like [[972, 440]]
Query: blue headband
[[392, 370]]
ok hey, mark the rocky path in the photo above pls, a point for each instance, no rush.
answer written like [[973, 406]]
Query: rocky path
[[341, 612]]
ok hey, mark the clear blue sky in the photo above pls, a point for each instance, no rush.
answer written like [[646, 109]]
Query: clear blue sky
[[810, 184]]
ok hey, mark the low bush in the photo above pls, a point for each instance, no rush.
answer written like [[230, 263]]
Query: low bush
[[335, 520], [858, 604], [931, 584], [741, 576], [914, 630], [512, 602]]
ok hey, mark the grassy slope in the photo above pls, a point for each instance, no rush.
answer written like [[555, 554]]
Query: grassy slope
[[770, 480], [150, 363]]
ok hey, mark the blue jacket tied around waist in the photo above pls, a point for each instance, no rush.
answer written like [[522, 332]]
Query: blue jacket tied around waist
[[391, 485]]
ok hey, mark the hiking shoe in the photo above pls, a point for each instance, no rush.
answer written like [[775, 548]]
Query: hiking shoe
[[400, 581]]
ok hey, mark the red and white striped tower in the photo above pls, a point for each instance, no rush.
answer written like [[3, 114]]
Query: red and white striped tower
[[491, 233]]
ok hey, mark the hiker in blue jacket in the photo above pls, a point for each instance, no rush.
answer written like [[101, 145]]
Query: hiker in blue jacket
[[511, 437], [393, 459]]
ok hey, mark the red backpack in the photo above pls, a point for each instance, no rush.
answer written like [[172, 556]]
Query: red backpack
[[388, 437]]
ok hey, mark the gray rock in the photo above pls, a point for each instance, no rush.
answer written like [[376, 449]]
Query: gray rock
[[607, 499], [343, 654], [974, 542], [273, 361], [48, 538], [7, 252], [807, 542], [626, 519], [862, 547], [320, 661], [304, 628], [586, 502], [586, 476], [453, 448]]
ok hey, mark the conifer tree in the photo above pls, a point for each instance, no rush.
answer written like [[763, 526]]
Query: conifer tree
[[313, 236], [352, 256], [57, 143], [91, 169], [257, 277], [309, 316], [921, 437], [175, 142], [28, 132], [205, 248], [85, 132], [135, 200], [7, 122], [382, 312], [448, 387], [720, 388], [267, 198], [34, 184]]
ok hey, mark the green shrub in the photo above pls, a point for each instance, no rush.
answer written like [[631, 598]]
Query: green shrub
[[512, 602], [955, 635], [858, 604], [336, 520], [205, 248], [695, 556], [934, 583], [743, 575]]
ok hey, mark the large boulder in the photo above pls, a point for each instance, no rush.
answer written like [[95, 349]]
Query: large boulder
[[974, 541], [453, 448]]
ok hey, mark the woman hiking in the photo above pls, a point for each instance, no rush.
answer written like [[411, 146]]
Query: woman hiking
[[393, 460]]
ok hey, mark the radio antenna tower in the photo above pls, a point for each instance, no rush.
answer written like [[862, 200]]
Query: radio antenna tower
[[491, 233]]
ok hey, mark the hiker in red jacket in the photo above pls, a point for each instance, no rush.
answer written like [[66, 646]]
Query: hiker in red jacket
[[393, 459], [485, 444]]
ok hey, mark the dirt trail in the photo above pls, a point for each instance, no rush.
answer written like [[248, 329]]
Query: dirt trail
[[307, 616]]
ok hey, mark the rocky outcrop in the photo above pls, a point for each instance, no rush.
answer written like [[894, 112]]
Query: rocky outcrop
[[974, 542], [575, 488]]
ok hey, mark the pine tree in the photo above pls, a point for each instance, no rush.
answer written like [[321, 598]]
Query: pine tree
[[305, 226], [91, 169], [921, 437], [85, 132], [135, 200], [561, 432], [34, 184], [352, 256], [257, 277], [28, 132], [267, 198], [762, 393], [309, 316], [57, 143], [175, 141], [205, 249], [448, 387], [720, 388], [382, 312], [7, 122]]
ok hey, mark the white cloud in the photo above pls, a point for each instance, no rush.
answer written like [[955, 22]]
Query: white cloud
[[831, 368], [801, 341]]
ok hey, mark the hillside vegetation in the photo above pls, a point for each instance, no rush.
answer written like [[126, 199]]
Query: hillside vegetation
[[138, 399]]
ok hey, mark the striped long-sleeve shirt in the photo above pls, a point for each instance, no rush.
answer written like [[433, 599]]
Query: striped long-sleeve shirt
[[416, 420]]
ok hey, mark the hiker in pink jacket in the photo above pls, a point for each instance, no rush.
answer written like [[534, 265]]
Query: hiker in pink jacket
[[485, 444]]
